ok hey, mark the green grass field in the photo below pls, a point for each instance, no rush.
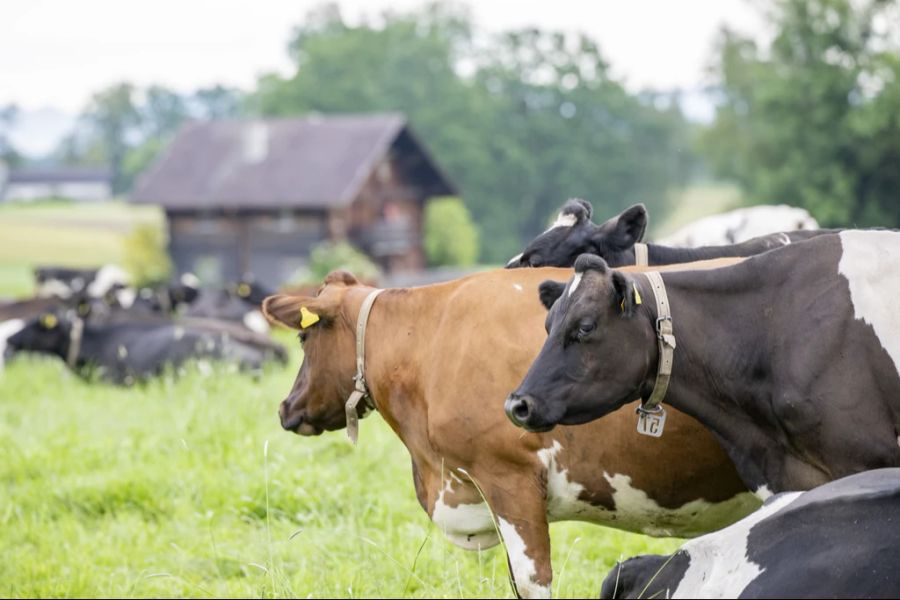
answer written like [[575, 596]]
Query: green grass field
[[191, 488], [63, 234]]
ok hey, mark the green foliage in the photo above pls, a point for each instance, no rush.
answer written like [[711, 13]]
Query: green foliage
[[539, 120], [329, 256], [451, 238], [144, 255], [812, 120], [190, 488]]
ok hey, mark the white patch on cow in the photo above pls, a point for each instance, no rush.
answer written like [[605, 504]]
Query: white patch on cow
[[634, 510], [178, 332], [740, 225], [563, 220], [190, 280], [126, 297], [575, 282], [514, 260], [107, 277], [122, 352], [7, 330], [54, 288], [523, 568], [468, 526], [518, 286], [869, 261], [255, 321], [719, 567], [763, 492]]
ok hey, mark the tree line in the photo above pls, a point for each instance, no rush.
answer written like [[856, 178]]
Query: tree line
[[524, 119]]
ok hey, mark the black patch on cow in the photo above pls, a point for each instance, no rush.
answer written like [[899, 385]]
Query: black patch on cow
[[647, 576], [839, 540]]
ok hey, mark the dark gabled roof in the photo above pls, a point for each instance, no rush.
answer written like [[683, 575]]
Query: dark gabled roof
[[313, 162], [60, 175]]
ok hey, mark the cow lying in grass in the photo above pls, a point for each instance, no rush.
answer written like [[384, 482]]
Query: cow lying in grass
[[125, 351], [836, 541], [790, 358], [439, 361], [574, 234]]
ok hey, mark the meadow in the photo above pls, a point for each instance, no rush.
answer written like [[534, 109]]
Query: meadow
[[189, 486]]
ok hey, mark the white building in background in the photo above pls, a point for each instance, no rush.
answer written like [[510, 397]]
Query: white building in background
[[82, 184]]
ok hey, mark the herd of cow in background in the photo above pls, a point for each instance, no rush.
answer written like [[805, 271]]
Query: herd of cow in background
[[105, 329], [775, 355]]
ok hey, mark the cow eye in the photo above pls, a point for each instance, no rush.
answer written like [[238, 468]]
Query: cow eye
[[535, 261], [586, 326], [302, 336]]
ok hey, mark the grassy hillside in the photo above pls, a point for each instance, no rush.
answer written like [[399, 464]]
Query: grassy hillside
[[64, 234]]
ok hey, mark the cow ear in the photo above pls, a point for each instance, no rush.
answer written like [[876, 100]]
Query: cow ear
[[580, 209], [550, 291], [626, 295], [296, 312], [625, 230]]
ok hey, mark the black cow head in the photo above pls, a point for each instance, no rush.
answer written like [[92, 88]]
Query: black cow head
[[596, 356], [326, 325], [48, 334], [574, 234], [646, 576], [250, 291]]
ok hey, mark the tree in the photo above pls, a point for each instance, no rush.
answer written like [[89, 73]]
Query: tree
[[451, 237], [113, 118], [536, 120], [218, 102], [8, 154], [812, 119]]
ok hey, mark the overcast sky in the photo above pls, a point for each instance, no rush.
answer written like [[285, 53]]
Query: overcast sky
[[55, 53]]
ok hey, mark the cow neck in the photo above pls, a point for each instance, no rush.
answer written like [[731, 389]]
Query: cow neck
[[361, 390], [399, 331], [716, 353], [75, 338]]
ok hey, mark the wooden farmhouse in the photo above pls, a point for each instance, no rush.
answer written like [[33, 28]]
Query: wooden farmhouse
[[255, 196]]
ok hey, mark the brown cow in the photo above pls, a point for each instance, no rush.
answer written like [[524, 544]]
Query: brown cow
[[440, 360]]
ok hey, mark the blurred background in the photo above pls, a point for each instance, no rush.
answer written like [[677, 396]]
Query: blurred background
[[261, 145], [424, 134]]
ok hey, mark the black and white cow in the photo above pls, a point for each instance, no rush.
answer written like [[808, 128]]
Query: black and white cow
[[840, 540], [790, 357], [125, 352], [239, 302], [64, 282], [574, 234]]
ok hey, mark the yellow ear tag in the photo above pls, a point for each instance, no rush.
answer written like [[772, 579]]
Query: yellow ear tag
[[49, 321], [637, 294], [243, 290], [307, 318]]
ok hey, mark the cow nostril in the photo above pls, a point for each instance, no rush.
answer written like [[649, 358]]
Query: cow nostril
[[518, 409], [522, 408]]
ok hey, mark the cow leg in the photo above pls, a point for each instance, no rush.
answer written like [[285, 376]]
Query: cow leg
[[526, 538]]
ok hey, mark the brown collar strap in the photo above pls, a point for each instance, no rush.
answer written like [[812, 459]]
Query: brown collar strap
[[641, 255], [361, 391], [652, 416], [75, 342]]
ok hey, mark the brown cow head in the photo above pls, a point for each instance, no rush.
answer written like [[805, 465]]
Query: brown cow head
[[325, 380]]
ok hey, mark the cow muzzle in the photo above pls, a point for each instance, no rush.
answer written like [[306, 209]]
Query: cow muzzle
[[521, 411], [296, 420]]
